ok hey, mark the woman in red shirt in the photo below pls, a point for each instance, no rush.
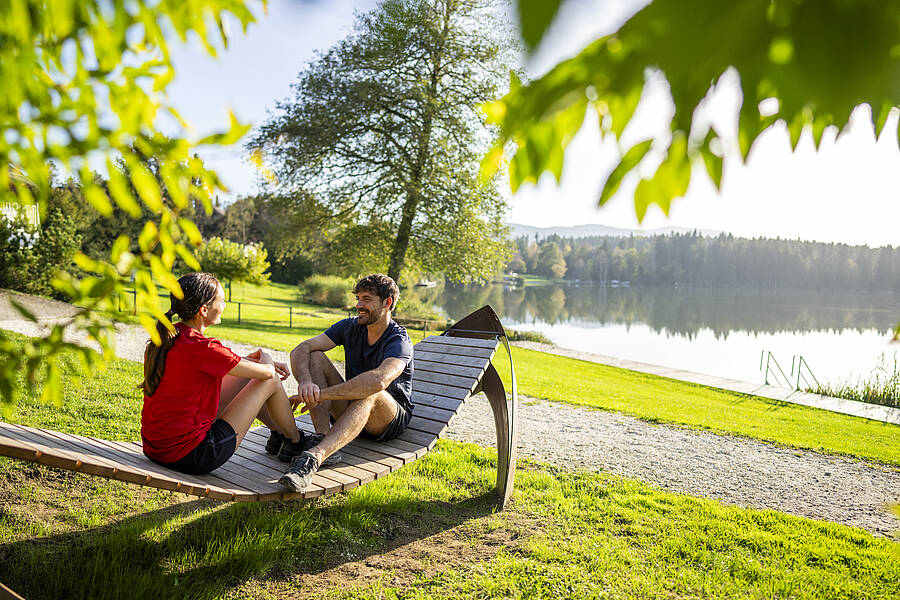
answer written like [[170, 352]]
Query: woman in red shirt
[[200, 398]]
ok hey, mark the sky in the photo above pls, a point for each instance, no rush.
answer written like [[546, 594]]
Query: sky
[[846, 192]]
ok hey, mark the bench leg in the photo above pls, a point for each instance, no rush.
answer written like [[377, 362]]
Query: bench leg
[[492, 386]]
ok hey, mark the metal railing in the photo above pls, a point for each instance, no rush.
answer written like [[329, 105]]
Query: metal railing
[[770, 367], [774, 369], [801, 362]]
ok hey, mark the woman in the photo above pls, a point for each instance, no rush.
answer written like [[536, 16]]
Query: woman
[[200, 398]]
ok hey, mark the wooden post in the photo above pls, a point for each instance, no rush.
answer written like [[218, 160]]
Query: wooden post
[[290, 317], [239, 313]]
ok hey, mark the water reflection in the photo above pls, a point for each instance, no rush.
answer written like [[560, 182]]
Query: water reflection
[[678, 312]]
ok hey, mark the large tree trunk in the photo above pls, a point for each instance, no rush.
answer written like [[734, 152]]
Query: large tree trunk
[[401, 242]]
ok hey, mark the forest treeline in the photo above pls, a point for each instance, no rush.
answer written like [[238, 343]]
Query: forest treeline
[[725, 261]]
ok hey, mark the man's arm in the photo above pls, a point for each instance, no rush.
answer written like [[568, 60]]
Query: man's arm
[[300, 355], [366, 384]]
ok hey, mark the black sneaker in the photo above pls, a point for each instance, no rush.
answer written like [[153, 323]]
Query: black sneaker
[[273, 445], [300, 473], [291, 449]]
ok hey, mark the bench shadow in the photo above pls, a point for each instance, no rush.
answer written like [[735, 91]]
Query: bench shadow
[[319, 536]]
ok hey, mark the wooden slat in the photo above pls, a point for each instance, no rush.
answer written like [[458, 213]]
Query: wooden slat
[[422, 364], [466, 383], [433, 413], [459, 350], [440, 390], [427, 426], [420, 398], [423, 353], [464, 341], [374, 464]]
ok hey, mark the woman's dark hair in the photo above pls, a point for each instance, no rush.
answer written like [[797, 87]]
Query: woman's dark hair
[[199, 290]]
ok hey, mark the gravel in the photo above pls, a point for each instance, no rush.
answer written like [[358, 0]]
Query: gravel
[[734, 470]]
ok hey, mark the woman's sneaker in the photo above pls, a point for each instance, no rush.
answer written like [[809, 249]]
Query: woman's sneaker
[[299, 475], [273, 444], [291, 449]]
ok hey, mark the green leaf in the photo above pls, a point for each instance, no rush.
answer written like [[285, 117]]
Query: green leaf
[[188, 227], [149, 236], [535, 17], [629, 161]]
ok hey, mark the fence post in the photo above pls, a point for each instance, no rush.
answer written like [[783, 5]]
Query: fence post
[[239, 313], [290, 317], [134, 301]]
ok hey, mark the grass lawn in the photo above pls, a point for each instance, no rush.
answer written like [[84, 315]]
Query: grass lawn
[[428, 531]]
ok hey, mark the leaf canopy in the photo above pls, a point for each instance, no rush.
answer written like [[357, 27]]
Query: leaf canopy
[[819, 58]]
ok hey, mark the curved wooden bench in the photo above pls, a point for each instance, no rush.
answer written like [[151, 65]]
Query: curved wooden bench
[[449, 369]]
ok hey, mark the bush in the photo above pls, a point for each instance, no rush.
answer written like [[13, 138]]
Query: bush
[[527, 336], [328, 290]]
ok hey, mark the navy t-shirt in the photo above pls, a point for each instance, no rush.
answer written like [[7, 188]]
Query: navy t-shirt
[[361, 357]]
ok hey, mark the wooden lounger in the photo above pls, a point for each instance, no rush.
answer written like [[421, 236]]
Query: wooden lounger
[[449, 368]]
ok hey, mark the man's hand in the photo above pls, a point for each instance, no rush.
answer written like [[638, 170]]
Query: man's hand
[[308, 394]]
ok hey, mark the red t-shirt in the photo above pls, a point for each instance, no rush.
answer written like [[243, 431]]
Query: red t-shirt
[[182, 409]]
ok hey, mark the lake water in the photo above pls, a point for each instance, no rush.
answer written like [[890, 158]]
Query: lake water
[[720, 332]]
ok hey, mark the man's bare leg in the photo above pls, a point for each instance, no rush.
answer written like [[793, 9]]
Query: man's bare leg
[[373, 414], [324, 374]]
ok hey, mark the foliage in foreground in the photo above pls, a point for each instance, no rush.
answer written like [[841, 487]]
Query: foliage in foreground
[[806, 64], [88, 78]]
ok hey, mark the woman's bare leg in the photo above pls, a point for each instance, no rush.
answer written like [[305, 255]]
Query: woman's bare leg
[[231, 387], [246, 406]]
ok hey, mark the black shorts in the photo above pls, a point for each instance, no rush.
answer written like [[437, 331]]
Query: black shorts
[[212, 452], [395, 428]]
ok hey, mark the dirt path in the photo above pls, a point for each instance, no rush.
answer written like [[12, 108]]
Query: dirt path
[[731, 469]]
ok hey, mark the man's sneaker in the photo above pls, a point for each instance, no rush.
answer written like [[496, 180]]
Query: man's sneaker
[[291, 449], [273, 445], [300, 473]]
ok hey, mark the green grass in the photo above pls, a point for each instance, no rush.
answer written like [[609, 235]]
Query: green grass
[[880, 386], [428, 531]]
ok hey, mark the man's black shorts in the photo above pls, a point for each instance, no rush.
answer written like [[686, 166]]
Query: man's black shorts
[[395, 428], [212, 452]]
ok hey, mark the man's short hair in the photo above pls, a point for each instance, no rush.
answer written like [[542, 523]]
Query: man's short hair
[[382, 285]]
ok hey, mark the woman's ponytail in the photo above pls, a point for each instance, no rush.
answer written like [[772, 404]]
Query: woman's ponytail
[[199, 289]]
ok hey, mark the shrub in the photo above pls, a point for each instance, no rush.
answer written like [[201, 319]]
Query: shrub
[[328, 290], [528, 336]]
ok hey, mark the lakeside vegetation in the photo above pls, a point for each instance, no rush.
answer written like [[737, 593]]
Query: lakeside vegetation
[[880, 386], [427, 531]]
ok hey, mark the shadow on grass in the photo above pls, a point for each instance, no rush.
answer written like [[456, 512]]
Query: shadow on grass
[[203, 549]]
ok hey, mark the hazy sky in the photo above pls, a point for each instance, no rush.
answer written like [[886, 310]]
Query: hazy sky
[[846, 192]]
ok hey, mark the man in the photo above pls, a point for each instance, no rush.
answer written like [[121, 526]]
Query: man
[[374, 401]]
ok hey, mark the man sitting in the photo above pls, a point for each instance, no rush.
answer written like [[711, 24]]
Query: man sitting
[[374, 401]]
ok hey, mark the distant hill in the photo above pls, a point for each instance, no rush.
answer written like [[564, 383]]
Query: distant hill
[[580, 231]]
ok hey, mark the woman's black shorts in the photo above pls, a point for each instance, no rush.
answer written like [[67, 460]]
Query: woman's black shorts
[[212, 452]]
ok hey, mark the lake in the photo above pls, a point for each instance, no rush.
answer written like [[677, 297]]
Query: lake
[[720, 332]]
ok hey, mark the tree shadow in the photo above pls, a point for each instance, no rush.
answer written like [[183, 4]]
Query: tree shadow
[[203, 548]]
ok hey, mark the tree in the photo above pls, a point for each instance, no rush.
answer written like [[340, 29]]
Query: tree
[[234, 262], [550, 261], [86, 78], [384, 133], [806, 63]]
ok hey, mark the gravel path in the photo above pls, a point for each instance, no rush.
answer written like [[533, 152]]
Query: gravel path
[[734, 470]]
